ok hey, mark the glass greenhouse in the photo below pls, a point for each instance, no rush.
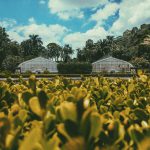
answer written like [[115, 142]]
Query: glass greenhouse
[[38, 65], [111, 64]]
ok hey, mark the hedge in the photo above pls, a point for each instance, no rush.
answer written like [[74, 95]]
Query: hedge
[[74, 68]]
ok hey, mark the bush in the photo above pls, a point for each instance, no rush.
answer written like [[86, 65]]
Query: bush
[[6, 73], [46, 72], [74, 68], [62, 114], [28, 72]]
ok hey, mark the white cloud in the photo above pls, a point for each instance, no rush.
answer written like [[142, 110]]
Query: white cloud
[[67, 9], [7, 23], [48, 33], [42, 2], [31, 20], [65, 15], [132, 13], [102, 14], [14, 36], [78, 39], [54, 33]]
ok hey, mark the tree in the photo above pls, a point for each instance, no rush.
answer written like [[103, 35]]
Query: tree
[[144, 50], [4, 41], [14, 49], [32, 47], [54, 51], [67, 51], [10, 63], [80, 55], [88, 52], [100, 51], [141, 62]]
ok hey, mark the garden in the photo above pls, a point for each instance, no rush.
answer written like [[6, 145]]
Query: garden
[[94, 113]]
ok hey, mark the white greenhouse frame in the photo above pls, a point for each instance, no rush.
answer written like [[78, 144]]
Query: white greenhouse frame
[[111, 64], [38, 63]]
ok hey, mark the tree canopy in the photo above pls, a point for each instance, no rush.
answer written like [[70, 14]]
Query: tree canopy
[[132, 46]]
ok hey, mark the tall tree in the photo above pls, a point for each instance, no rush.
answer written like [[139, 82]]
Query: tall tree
[[67, 52], [11, 62], [4, 41], [54, 51], [32, 47]]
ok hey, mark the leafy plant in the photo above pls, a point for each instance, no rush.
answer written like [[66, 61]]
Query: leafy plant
[[62, 114]]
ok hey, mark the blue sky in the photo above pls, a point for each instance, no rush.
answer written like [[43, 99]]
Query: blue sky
[[71, 21]]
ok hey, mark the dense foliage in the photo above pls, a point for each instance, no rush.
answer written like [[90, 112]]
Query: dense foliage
[[132, 46], [74, 68], [12, 53], [89, 114]]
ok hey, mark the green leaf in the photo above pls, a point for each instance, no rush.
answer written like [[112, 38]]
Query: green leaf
[[141, 114], [139, 72], [4, 129], [135, 134], [32, 83], [131, 87], [75, 144], [35, 106], [67, 111], [23, 115], [53, 143], [85, 123], [62, 133], [96, 125], [32, 141], [26, 96], [43, 98], [143, 78], [116, 132]]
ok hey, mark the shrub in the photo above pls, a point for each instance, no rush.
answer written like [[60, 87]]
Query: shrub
[[28, 72], [74, 68], [94, 113], [6, 73], [46, 72]]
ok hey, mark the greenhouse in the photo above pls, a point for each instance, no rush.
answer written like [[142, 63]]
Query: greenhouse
[[111, 64], [38, 65]]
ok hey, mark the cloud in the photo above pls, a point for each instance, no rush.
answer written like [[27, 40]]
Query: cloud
[[42, 2], [102, 14], [78, 39], [31, 20], [65, 15], [48, 33], [14, 36], [132, 13], [54, 33], [66, 9], [7, 23]]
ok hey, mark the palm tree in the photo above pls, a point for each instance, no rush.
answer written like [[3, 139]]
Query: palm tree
[[36, 44], [33, 46]]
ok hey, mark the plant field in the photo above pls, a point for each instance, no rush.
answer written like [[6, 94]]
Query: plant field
[[94, 113]]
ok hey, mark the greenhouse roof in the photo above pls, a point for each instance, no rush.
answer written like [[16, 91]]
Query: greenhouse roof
[[38, 59], [110, 57]]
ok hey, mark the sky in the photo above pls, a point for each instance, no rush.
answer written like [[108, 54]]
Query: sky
[[71, 21]]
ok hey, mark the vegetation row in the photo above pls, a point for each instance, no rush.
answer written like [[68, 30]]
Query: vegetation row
[[62, 114]]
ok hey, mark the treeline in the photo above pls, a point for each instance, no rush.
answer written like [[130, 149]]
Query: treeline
[[132, 46], [12, 53]]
